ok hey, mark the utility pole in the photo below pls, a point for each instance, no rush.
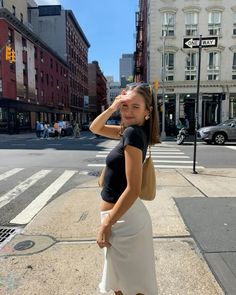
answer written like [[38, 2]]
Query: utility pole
[[201, 42], [163, 133]]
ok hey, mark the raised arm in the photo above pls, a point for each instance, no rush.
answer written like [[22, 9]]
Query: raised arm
[[99, 126]]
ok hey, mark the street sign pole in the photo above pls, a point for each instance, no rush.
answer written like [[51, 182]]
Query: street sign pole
[[197, 104], [202, 42]]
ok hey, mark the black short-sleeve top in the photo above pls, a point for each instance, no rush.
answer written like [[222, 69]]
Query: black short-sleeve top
[[115, 178]]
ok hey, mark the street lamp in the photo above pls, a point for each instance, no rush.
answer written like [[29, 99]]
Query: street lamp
[[163, 133]]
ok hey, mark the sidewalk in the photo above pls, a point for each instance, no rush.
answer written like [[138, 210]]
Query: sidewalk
[[65, 259]]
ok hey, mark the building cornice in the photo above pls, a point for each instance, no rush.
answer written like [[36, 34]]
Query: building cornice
[[168, 9], [173, 49], [234, 8], [168, 1], [191, 9], [220, 48], [215, 8], [233, 48]]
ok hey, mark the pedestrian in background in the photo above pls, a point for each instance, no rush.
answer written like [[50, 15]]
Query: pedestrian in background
[[126, 229], [56, 129], [76, 131], [37, 129], [45, 130]]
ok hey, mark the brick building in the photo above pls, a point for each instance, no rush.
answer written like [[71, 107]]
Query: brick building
[[97, 90], [36, 86]]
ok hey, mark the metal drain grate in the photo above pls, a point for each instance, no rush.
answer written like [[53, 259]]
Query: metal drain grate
[[6, 234]]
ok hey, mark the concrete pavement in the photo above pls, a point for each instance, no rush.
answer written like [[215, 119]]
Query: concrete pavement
[[66, 260]]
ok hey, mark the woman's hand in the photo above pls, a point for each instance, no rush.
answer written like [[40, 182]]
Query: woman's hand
[[119, 100], [103, 236]]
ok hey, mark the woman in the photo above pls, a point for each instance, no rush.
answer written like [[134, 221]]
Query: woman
[[126, 230]]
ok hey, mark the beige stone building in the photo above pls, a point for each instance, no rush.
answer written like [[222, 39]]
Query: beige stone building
[[18, 8], [169, 22]]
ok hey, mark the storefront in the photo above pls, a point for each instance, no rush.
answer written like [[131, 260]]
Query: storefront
[[183, 107], [16, 117]]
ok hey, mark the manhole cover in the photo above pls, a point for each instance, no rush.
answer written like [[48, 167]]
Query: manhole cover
[[24, 245], [6, 234]]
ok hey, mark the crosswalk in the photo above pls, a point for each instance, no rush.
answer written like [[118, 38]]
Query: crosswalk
[[25, 191], [163, 157]]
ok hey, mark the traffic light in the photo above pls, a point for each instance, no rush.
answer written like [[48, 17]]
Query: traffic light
[[13, 56], [155, 84], [8, 53]]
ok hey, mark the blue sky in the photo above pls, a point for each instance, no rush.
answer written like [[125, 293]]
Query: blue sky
[[109, 26]]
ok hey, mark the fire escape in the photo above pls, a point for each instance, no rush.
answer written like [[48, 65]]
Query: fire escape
[[138, 54]]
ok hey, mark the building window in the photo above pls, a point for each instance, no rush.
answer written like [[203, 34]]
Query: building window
[[41, 55], [191, 66], [234, 24], [214, 23], [24, 69], [24, 43], [13, 10], [234, 67], [35, 53], [168, 24], [169, 67], [10, 36], [191, 24], [21, 18], [1, 3], [213, 69]]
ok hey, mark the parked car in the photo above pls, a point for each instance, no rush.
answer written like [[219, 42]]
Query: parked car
[[65, 129], [220, 133], [112, 122]]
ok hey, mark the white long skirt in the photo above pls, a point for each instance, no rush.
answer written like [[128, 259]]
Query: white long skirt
[[129, 263]]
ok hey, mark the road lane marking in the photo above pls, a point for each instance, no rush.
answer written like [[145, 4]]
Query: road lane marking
[[83, 172], [171, 161], [96, 165], [177, 166], [41, 200], [154, 156], [23, 186], [156, 153], [231, 147], [152, 150], [10, 173]]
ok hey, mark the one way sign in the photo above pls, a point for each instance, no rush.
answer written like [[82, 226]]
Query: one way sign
[[206, 42]]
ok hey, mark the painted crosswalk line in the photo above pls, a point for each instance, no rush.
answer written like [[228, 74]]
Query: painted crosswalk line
[[23, 186], [231, 147], [10, 173], [41, 200]]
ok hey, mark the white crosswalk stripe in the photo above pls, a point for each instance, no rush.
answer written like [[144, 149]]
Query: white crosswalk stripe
[[231, 147], [23, 186], [41, 200], [10, 173], [34, 191], [163, 157]]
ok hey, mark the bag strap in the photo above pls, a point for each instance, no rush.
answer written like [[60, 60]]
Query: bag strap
[[150, 153]]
